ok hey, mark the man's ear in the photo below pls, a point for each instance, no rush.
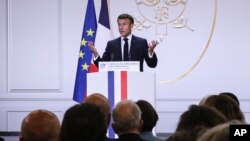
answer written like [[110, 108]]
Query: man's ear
[[141, 125]]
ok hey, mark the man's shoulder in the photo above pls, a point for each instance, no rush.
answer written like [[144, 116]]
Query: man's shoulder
[[138, 38], [115, 40]]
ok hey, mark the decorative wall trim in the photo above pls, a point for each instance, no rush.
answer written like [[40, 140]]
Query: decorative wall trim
[[58, 88]]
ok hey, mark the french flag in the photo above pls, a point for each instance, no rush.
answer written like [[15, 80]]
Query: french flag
[[103, 34]]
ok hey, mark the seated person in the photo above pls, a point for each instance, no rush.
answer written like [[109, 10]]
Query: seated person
[[127, 121], [40, 125], [83, 122], [150, 118], [103, 103]]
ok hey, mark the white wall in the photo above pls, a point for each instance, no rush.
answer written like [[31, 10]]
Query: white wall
[[40, 40]]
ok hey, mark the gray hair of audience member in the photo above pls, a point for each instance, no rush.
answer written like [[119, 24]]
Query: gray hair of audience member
[[126, 117], [102, 102], [40, 125], [218, 133]]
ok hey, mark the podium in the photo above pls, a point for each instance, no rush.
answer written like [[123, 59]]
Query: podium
[[120, 85]]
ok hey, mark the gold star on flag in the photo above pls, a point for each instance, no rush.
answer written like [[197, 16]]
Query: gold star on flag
[[81, 54], [83, 42], [90, 32], [85, 67]]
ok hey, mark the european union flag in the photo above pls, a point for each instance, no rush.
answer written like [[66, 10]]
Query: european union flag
[[85, 55]]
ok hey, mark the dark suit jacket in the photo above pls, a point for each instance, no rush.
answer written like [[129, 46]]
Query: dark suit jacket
[[138, 52], [130, 137]]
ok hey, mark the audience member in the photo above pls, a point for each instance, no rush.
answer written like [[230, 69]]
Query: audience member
[[231, 95], [103, 103], [83, 122], [40, 125], [127, 121], [200, 116], [187, 135], [150, 118], [1, 139], [226, 105], [195, 121], [218, 133]]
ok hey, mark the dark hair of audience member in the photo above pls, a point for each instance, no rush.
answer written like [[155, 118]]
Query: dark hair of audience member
[[83, 122], [231, 95], [102, 102], [200, 116], [226, 105], [149, 115]]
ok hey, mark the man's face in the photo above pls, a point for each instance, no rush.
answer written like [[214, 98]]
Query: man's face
[[124, 27]]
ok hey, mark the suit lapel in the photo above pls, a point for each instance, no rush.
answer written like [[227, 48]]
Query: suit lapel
[[132, 47], [118, 49]]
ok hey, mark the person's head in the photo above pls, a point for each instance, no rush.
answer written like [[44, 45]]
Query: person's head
[[200, 116], [126, 117], [40, 125], [226, 105], [219, 133], [102, 102], [148, 115], [231, 95], [83, 122], [187, 135], [125, 24]]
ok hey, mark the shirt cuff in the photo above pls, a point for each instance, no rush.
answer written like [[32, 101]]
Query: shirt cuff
[[151, 55]]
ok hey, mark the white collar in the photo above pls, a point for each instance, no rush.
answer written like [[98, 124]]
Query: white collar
[[128, 37]]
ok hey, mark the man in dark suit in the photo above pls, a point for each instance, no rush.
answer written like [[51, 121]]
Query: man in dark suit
[[127, 47]]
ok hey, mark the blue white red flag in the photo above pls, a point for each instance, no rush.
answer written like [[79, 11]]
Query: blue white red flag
[[103, 34]]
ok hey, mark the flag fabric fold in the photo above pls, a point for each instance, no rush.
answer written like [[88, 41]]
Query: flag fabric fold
[[85, 55], [103, 34]]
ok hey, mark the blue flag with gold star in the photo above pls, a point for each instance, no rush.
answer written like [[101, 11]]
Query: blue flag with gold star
[[85, 55]]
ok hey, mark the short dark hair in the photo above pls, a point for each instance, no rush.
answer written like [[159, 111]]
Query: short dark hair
[[148, 115], [231, 95], [126, 16], [83, 122]]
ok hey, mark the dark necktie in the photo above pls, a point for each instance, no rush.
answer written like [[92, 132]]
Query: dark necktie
[[125, 50]]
